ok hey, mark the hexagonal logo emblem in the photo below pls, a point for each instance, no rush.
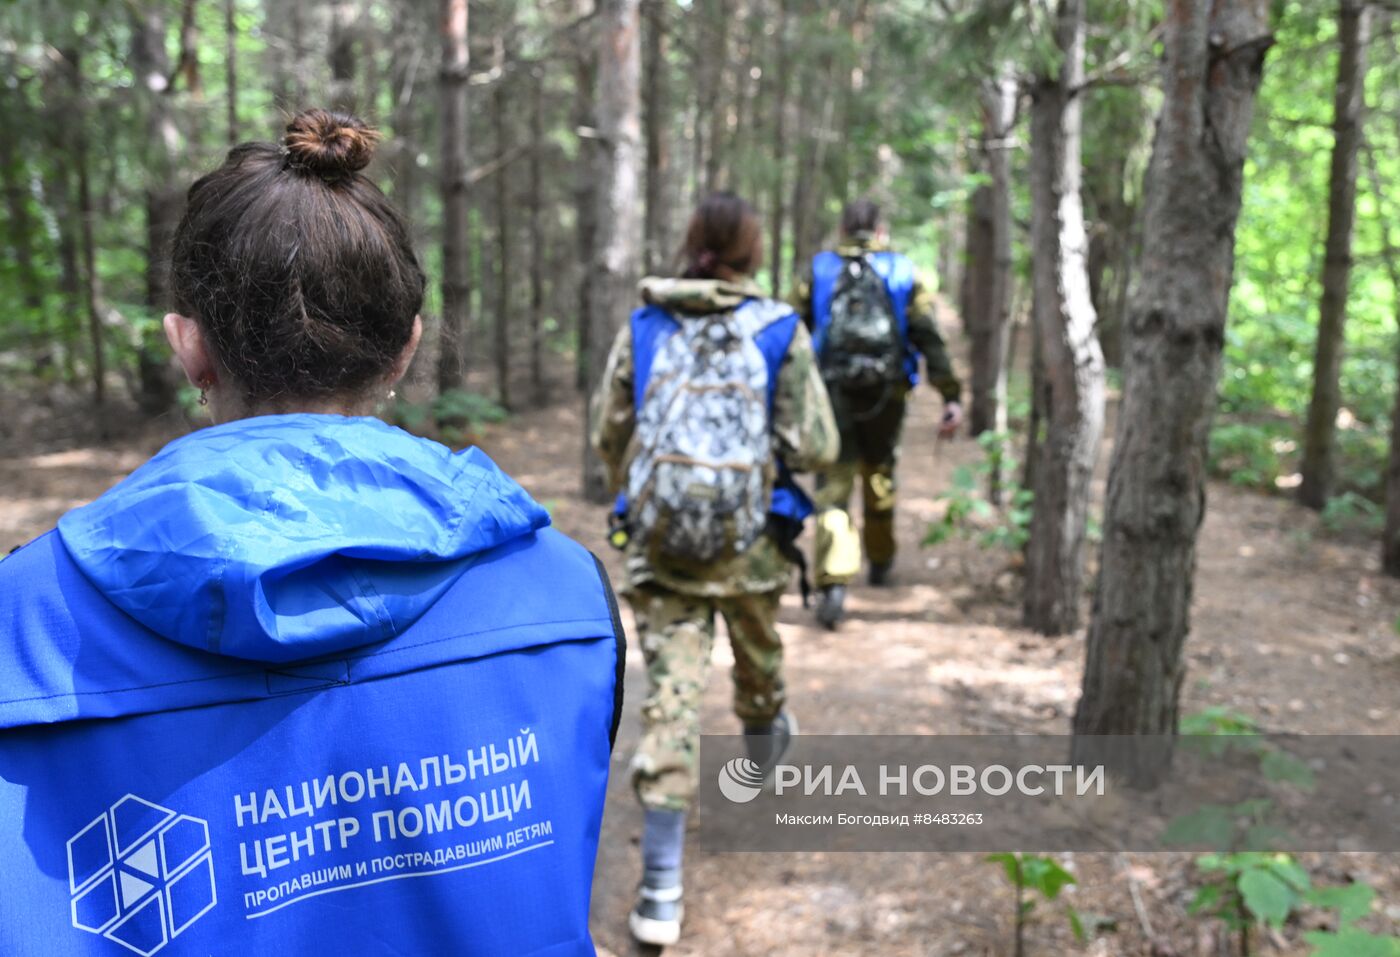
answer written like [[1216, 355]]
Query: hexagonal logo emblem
[[140, 874]]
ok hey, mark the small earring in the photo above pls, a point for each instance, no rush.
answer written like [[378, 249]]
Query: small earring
[[204, 392], [392, 394]]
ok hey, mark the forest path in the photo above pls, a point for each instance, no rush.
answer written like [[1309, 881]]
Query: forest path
[[1290, 627]]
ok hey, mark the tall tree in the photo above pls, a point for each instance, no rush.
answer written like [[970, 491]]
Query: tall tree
[[1390, 253], [617, 255], [1320, 434], [1073, 385], [987, 279], [537, 236], [586, 187], [776, 193], [231, 69], [456, 282], [1214, 57], [502, 191], [656, 95], [164, 199]]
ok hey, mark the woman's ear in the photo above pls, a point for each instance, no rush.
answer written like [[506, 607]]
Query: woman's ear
[[191, 350], [405, 359]]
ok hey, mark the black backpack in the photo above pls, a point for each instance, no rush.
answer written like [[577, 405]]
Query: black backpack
[[864, 348]]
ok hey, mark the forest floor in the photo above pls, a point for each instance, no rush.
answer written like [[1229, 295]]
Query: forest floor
[[1290, 626]]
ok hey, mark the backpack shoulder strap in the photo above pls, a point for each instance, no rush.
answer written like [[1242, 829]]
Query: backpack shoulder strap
[[771, 324], [827, 267], [651, 327]]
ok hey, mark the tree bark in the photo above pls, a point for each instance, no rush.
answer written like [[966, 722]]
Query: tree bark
[[87, 244], [501, 329], [1390, 537], [617, 255], [231, 69], [585, 193], [657, 105], [342, 56], [1320, 434], [987, 280], [1214, 57], [456, 282], [537, 241], [1064, 324], [164, 199], [780, 149]]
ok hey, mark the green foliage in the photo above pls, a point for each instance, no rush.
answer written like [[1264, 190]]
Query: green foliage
[[969, 512], [1351, 512], [456, 415], [1044, 878], [1266, 380]]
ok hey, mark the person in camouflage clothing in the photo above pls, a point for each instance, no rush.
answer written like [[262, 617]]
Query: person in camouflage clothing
[[675, 601], [870, 420]]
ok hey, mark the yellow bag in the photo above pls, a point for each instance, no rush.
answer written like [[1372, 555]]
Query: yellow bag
[[838, 545]]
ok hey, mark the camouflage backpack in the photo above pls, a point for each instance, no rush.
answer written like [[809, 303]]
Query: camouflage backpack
[[864, 349], [700, 482]]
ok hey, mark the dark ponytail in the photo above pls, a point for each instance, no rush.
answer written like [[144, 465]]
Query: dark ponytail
[[724, 239], [298, 270]]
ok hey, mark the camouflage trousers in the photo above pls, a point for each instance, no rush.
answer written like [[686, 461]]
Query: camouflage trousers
[[677, 633], [870, 433]]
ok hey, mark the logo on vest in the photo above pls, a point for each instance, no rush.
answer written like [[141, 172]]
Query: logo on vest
[[740, 780], [140, 874]]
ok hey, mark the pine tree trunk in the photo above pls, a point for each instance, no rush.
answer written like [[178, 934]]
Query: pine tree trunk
[[231, 69], [585, 194], [342, 56], [1320, 434], [657, 106], [165, 199], [456, 284], [987, 280], [1173, 340], [537, 241], [1390, 537], [87, 244], [780, 148], [1064, 324], [501, 190], [617, 256], [713, 108]]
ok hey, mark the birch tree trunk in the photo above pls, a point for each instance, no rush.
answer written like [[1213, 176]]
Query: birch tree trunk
[[617, 248], [1174, 335], [456, 284], [1064, 325], [1320, 434]]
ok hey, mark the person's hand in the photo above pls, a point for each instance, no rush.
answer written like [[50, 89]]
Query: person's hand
[[952, 418]]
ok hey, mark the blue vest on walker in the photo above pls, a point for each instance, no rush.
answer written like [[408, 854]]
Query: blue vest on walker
[[897, 273], [304, 684]]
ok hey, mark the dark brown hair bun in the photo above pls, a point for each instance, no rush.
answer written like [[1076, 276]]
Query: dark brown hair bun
[[331, 145]]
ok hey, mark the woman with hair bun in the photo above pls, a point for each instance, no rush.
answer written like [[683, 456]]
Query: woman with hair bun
[[710, 400], [303, 682]]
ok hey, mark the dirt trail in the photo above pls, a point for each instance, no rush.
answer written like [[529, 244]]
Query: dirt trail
[[1289, 627]]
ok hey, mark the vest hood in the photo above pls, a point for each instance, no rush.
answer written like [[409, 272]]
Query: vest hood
[[285, 537]]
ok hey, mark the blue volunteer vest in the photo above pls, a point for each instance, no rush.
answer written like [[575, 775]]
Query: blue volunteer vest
[[897, 273], [652, 326], [304, 685]]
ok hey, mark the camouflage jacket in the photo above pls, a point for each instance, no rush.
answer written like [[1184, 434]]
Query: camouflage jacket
[[923, 326], [804, 437]]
